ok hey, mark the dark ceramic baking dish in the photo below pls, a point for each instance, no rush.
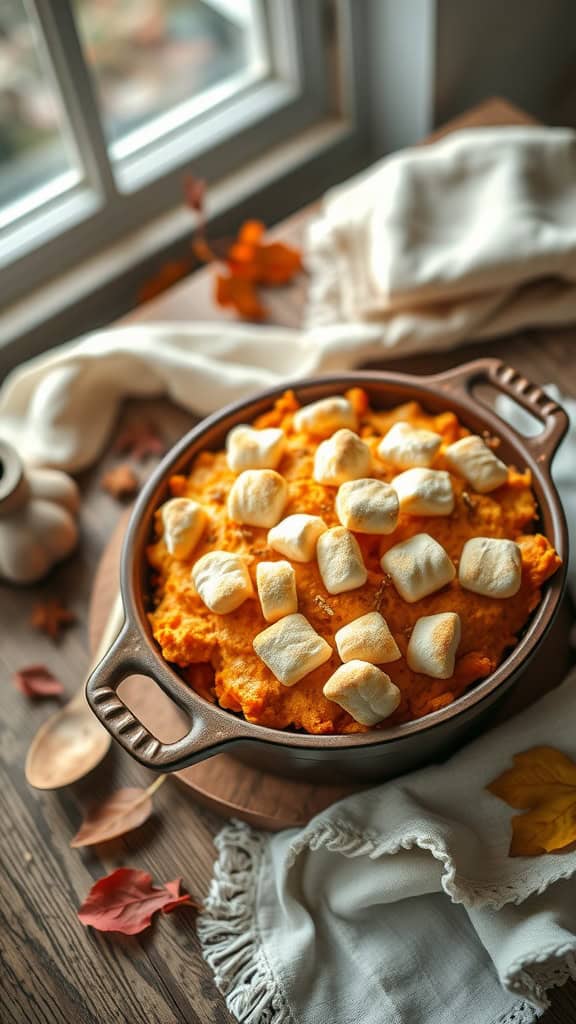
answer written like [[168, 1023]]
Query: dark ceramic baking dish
[[373, 755]]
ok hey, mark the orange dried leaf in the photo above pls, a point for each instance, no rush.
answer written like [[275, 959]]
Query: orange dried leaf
[[542, 782], [123, 811], [195, 193], [252, 232], [241, 295]]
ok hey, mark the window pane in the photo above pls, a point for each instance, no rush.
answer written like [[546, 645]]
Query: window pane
[[36, 159], [158, 63]]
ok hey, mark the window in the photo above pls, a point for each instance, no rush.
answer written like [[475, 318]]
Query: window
[[106, 104]]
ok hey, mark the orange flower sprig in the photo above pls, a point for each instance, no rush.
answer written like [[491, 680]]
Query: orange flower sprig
[[248, 262]]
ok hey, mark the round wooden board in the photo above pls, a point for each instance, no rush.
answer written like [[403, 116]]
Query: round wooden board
[[222, 783]]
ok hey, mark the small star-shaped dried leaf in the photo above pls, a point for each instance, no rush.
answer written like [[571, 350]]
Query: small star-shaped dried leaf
[[140, 440], [51, 617], [121, 482]]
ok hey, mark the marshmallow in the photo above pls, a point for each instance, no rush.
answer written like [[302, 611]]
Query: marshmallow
[[340, 561], [476, 462], [367, 638], [183, 521], [491, 567], [291, 649], [295, 537], [424, 492], [324, 417], [364, 691], [258, 497], [418, 567], [367, 506], [407, 446], [433, 644], [342, 457], [247, 448], [276, 582], [222, 581]]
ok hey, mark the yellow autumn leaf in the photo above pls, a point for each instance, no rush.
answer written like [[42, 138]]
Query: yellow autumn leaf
[[542, 782]]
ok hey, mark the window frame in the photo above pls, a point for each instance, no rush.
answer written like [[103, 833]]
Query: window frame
[[97, 212]]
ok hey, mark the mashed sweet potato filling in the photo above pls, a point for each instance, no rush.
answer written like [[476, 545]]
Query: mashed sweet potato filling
[[192, 637]]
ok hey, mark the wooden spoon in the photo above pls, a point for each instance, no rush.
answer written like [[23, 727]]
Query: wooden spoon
[[72, 742]]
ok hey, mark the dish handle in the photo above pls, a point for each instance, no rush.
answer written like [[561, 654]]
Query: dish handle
[[505, 379], [127, 656]]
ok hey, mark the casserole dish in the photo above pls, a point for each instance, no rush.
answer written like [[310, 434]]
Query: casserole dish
[[382, 753]]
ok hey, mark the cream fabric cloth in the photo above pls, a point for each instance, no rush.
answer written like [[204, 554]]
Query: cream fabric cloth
[[473, 236]]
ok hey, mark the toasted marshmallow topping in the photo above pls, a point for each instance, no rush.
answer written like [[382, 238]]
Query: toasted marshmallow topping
[[291, 649], [340, 561], [367, 506], [276, 582], [424, 492], [295, 537], [433, 645], [222, 581], [476, 462], [491, 567], [367, 638], [258, 497], [364, 691], [342, 457], [183, 521], [324, 417], [418, 566], [247, 448], [407, 446]]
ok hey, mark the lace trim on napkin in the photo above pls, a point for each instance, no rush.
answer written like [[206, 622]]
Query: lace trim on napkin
[[341, 837], [228, 931]]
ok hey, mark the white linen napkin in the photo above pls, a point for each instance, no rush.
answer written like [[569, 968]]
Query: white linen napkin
[[400, 905], [473, 236]]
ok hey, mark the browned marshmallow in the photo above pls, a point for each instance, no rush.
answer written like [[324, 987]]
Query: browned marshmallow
[[424, 492], [344, 456], [367, 506], [247, 448], [296, 536], [222, 581], [367, 638], [433, 645], [291, 649], [276, 583], [183, 520], [364, 691], [476, 462], [418, 566], [340, 561], [406, 446], [324, 417], [258, 497], [491, 567]]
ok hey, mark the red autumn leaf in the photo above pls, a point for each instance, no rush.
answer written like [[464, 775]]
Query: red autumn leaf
[[37, 681], [251, 232], [123, 811], [125, 901], [140, 440], [51, 617], [241, 295]]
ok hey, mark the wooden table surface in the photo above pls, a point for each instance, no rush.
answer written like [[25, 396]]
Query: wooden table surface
[[54, 970]]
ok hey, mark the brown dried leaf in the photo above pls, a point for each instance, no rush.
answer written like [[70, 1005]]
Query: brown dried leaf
[[51, 617], [121, 482], [140, 440], [123, 811]]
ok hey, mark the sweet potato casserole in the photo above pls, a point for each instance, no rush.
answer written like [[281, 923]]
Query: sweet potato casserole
[[338, 568]]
